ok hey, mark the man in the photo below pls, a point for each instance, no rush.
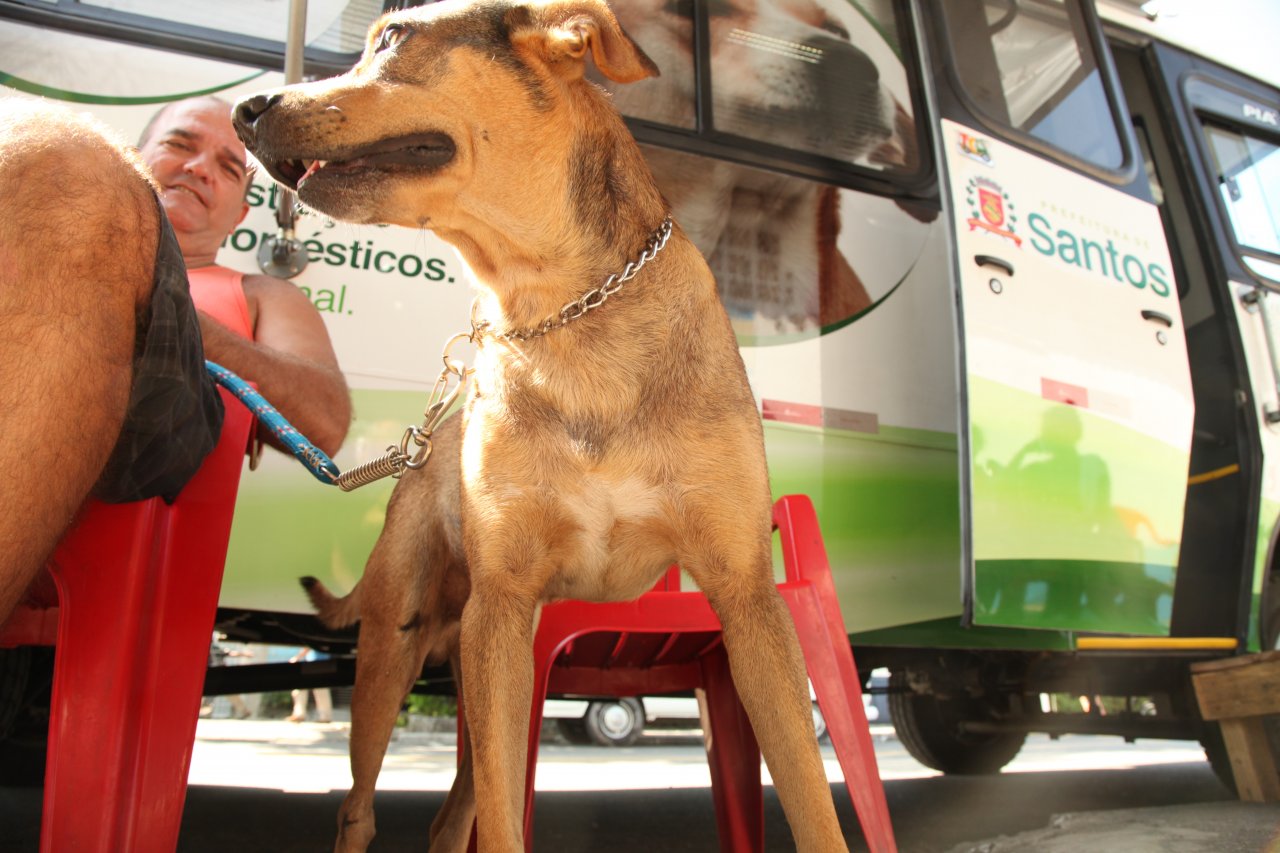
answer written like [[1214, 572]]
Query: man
[[83, 249], [200, 165]]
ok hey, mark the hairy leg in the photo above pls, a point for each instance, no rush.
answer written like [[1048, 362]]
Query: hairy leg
[[77, 248]]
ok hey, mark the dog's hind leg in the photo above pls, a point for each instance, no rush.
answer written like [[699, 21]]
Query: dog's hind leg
[[451, 829], [397, 627], [389, 660]]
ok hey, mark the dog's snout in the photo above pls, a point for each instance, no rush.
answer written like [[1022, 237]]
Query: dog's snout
[[845, 62], [247, 112]]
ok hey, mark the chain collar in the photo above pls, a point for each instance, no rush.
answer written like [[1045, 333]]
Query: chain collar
[[589, 301], [449, 385]]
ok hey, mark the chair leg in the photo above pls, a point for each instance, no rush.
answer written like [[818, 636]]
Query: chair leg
[[90, 771], [810, 593], [132, 649], [734, 758], [835, 683]]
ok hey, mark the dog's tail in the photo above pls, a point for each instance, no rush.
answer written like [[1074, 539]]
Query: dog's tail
[[334, 612]]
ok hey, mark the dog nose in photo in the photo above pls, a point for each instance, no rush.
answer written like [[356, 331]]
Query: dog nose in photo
[[842, 62]]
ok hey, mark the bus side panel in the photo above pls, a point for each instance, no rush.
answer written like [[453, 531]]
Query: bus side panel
[[862, 419]]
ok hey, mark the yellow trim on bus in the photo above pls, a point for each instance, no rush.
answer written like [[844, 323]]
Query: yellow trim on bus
[[1216, 474], [1156, 643]]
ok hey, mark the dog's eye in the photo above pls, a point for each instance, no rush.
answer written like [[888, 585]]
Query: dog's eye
[[391, 36]]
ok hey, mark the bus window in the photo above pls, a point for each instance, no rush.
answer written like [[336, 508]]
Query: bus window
[[818, 77], [1247, 170], [1030, 65], [664, 32], [336, 25], [335, 29]]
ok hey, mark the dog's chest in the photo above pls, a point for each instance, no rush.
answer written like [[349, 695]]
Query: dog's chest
[[620, 538]]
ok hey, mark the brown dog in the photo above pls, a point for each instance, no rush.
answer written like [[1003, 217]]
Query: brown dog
[[598, 446]]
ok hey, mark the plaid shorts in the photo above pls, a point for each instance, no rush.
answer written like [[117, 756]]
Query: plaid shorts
[[175, 412]]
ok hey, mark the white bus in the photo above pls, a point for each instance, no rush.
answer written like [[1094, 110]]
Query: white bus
[[1002, 274]]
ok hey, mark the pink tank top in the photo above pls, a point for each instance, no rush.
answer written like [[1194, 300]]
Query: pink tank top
[[219, 292]]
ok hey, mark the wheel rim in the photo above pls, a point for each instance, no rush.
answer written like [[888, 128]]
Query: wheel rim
[[616, 720]]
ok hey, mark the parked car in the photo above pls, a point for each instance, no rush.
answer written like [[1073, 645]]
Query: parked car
[[621, 721]]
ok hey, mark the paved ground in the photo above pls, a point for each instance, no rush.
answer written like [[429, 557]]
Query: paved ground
[[275, 786], [1227, 827], [1031, 803]]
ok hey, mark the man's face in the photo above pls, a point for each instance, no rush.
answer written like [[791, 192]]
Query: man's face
[[199, 163]]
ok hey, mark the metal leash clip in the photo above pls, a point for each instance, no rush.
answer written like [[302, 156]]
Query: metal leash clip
[[398, 459]]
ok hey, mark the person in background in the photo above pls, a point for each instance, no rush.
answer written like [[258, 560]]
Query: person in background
[[263, 328], [324, 699], [102, 382], [220, 655]]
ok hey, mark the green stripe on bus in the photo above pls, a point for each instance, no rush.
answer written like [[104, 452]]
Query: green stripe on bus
[[43, 91]]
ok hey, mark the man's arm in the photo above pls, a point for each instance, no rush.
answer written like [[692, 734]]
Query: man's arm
[[290, 359]]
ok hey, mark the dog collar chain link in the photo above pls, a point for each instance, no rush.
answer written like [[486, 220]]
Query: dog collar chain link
[[590, 300], [449, 384]]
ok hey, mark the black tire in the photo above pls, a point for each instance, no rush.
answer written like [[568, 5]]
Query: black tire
[[1269, 612], [929, 728], [1215, 749], [615, 722], [574, 731]]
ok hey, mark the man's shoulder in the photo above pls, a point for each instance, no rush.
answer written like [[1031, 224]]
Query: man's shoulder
[[280, 294], [269, 285]]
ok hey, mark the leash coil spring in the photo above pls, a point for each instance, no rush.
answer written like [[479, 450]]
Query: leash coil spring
[[389, 464]]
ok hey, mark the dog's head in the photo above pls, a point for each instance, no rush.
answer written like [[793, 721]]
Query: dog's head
[[456, 111]]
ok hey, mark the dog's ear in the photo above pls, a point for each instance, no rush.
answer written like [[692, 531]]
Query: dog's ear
[[563, 33]]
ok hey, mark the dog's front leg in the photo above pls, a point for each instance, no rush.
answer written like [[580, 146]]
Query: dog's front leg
[[497, 663], [769, 674]]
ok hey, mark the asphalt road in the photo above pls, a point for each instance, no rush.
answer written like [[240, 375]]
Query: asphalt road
[[275, 786]]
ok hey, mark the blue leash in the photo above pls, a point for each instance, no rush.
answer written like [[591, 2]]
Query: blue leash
[[316, 460]]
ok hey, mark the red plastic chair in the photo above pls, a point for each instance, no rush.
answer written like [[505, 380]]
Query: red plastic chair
[[668, 640], [137, 593]]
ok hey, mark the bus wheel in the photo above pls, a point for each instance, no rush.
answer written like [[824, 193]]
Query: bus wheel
[[929, 727], [615, 722], [1269, 612], [1215, 749]]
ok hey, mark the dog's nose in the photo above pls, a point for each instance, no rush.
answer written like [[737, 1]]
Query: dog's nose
[[844, 62], [248, 111]]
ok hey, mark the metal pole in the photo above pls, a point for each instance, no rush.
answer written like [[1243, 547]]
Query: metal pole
[[283, 256]]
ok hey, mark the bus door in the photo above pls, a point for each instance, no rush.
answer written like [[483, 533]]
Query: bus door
[[1231, 128], [1076, 397], [1208, 138]]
